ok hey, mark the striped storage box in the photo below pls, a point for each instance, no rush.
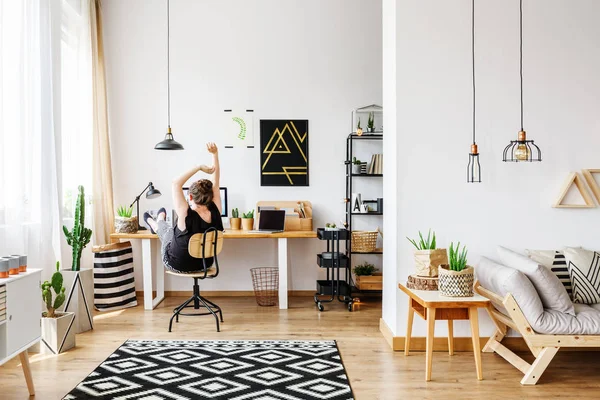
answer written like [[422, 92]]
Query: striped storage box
[[114, 284]]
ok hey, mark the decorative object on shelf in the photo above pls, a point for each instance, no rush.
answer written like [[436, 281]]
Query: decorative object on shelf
[[371, 123], [239, 128], [114, 281], [359, 130], [248, 220], [364, 269], [374, 112], [364, 208], [370, 282], [235, 221], [22, 263], [13, 265], [151, 194], [124, 222], [376, 166], [356, 203], [473, 168], [371, 206], [428, 257], [521, 150], [574, 179], [588, 174], [169, 143], [79, 237], [456, 278], [364, 241], [422, 282], [284, 152], [4, 268], [379, 204], [331, 227], [363, 168], [58, 334], [356, 166]]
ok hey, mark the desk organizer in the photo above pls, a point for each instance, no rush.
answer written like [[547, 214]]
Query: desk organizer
[[292, 223]]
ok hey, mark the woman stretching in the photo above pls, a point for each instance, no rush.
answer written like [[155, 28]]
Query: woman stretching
[[199, 212]]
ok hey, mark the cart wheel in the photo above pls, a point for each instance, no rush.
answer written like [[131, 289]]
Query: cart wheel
[[350, 308], [320, 306]]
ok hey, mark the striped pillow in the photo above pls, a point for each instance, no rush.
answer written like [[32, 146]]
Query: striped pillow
[[114, 284], [556, 262]]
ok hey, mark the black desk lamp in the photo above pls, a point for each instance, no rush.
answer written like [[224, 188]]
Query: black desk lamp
[[152, 193]]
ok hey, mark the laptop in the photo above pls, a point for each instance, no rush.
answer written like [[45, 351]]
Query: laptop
[[270, 221]]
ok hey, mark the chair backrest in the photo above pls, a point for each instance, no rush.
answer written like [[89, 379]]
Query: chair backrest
[[207, 244]]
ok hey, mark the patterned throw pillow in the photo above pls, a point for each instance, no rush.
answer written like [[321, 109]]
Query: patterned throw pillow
[[555, 262], [584, 269]]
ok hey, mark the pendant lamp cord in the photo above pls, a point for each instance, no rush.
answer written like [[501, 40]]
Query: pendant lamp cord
[[169, 61], [521, 55], [473, 59]]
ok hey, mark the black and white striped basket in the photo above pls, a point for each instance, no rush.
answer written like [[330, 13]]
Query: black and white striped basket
[[114, 284]]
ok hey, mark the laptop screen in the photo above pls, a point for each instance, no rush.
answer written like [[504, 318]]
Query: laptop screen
[[271, 220]]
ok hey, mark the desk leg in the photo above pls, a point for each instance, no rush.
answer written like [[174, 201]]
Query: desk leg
[[283, 272], [451, 337], [409, 325], [160, 284], [147, 271], [27, 372], [430, 335], [473, 318]]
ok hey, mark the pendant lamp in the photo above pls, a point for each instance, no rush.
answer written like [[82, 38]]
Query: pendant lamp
[[169, 143], [473, 168], [521, 150]]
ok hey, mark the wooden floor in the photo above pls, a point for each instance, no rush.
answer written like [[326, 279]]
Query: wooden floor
[[375, 371]]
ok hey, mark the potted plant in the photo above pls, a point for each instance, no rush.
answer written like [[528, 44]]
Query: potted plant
[[248, 220], [356, 164], [364, 269], [428, 258], [367, 278], [456, 277], [331, 227], [79, 282], [359, 130], [58, 334], [235, 221], [124, 222], [371, 123]]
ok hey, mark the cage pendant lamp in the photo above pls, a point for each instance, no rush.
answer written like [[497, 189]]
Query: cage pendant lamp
[[169, 143], [473, 168], [522, 149]]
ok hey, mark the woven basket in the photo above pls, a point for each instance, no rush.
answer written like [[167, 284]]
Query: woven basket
[[364, 241], [456, 283], [126, 225]]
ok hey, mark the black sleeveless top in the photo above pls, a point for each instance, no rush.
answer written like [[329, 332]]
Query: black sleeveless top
[[177, 252]]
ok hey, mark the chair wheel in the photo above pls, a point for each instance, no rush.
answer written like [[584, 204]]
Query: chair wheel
[[320, 306], [350, 308]]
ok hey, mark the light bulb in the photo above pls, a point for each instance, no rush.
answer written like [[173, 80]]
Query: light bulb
[[522, 152]]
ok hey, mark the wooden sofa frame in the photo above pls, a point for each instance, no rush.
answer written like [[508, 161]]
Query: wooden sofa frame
[[543, 347]]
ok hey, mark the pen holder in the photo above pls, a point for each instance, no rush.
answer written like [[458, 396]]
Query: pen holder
[[298, 224]]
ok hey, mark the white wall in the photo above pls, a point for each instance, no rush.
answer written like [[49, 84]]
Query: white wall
[[304, 59], [512, 206]]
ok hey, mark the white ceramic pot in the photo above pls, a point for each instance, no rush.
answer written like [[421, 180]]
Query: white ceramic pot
[[80, 297], [456, 283], [356, 169], [58, 334]]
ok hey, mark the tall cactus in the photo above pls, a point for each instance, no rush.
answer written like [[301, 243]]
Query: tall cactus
[[56, 284], [79, 237]]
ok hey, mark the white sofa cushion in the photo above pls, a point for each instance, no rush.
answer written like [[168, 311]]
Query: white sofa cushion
[[584, 269], [555, 261], [552, 292]]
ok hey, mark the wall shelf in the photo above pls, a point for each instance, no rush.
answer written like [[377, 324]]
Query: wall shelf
[[369, 213], [367, 175]]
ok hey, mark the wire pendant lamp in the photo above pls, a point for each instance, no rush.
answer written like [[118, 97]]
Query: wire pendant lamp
[[521, 150], [473, 168], [169, 143]]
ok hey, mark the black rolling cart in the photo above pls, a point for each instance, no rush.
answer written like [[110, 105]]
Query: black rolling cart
[[336, 262]]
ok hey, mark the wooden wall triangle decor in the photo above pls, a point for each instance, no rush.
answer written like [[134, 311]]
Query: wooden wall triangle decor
[[574, 179], [591, 181]]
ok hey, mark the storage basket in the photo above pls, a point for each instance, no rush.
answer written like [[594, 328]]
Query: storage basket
[[265, 281], [456, 283], [364, 241]]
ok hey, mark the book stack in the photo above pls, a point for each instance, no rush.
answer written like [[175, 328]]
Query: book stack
[[376, 166], [2, 303]]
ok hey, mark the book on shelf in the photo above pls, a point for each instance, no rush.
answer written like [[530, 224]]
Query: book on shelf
[[376, 165]]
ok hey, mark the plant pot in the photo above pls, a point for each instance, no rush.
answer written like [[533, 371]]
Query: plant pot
[[456, 283], [58, 334], [370, 282], [79, 297], [371, 130], [427, 262], [248, 224], [236, 223], [356, 169], [126, 225], [359, 131]]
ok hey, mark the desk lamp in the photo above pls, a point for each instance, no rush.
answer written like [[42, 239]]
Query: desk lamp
[[152, 193]]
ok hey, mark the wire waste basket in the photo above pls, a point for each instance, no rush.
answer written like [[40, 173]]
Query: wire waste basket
[[266, 285]]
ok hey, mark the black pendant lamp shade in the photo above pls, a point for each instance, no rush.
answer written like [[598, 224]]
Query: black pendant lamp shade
[[473, 168], [521, 150], [169, 143]]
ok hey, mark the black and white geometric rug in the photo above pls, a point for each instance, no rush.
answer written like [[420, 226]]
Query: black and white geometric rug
[[219, 369]]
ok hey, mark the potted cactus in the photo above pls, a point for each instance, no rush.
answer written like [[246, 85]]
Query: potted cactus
[[356, 164], [124, 222], [248, 220], [58, 334], [371, 123], [428, 257], [235, 221], [78, 281], [456, 277]]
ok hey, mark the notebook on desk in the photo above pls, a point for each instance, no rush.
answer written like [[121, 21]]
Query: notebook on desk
[[270, 221]]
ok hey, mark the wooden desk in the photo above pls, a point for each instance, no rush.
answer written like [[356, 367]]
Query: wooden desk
[[431, 307], [147, 239]]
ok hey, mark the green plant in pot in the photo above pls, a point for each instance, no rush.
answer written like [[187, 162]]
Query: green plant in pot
[[248, 220], [356, 164], [364, 269], [371, 123], [428, 257], [235, 221], [57, 329], [79, 237], [124, 222], [331, 227], [457, 277]]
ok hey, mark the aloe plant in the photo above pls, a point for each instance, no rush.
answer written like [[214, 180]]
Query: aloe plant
[[249, 214], [56, 284], [371, 122], [124, 212], [235, 213], [358, 124], [424, 244], [457, 259]]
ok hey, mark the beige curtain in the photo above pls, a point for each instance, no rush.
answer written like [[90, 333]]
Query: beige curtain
[[102, 170]]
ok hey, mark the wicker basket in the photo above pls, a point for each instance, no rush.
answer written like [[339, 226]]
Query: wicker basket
[[364, 241], [126, 225], [456, 283]]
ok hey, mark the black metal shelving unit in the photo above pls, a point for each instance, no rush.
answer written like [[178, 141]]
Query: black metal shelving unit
[[349, 183]]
